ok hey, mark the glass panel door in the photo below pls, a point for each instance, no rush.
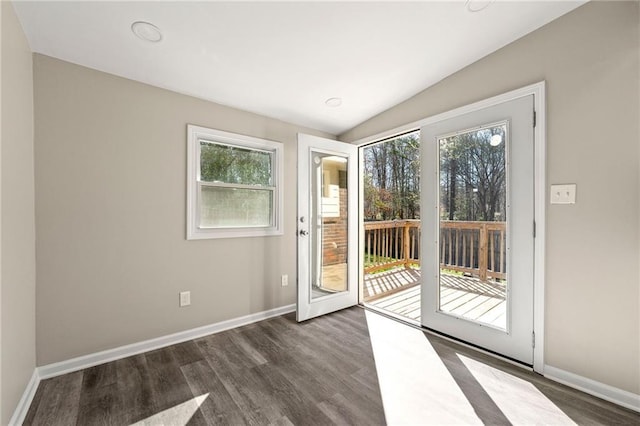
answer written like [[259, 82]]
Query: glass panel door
[[327, 226], [477, 227]]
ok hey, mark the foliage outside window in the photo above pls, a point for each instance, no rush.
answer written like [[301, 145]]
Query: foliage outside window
[[392, 179], [235, 185], [473, 175]]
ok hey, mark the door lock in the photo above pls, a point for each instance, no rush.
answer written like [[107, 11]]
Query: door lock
[[303, 232]]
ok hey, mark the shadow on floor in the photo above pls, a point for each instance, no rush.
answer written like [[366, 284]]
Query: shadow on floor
[[349, 367]]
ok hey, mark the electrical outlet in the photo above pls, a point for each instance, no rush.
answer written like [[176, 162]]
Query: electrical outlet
[[185, 298], [284, 280], [563, 194]]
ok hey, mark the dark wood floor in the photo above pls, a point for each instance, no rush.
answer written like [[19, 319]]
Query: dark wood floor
[[323, 371]]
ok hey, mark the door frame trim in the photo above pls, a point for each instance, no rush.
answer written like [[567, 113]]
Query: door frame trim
[[538, 91]]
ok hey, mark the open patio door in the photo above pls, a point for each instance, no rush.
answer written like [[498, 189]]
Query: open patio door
[[478, 227], [326, 226]]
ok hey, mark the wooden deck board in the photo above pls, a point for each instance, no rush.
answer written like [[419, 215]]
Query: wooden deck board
[[463, 296], [485, 305], [382, 283], [399, 297], [460, 298], [496, 316]]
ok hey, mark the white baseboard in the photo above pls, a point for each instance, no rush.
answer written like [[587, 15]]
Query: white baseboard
[[25, 402], [85, 361], [79, 363], [608, 393]]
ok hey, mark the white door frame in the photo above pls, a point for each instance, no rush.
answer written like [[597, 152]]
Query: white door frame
[[538, 90]]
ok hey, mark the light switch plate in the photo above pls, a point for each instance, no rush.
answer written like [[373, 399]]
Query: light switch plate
[[185, 298], [563, 194]]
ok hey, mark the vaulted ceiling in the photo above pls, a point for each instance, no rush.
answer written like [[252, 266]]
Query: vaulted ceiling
[[286, 59]]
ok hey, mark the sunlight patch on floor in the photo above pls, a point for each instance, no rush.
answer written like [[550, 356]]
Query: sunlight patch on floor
[[520, 401], [178, 415], [395, 347]]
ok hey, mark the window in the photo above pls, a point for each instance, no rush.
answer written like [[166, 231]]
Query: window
[[234, 185]]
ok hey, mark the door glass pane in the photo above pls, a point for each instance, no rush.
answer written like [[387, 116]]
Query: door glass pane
[[328, 224], [473, 225]]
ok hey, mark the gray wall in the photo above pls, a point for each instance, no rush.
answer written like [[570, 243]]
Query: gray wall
[[17, 276], [589, 59], [110, 158]]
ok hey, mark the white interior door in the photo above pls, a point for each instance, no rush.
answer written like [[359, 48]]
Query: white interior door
[[478, 227], [326, 226]]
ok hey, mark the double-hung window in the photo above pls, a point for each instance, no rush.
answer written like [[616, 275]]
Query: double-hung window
[[234, 185]]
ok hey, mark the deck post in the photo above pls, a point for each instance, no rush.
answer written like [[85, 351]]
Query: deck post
[[407, 244], [483, 252]]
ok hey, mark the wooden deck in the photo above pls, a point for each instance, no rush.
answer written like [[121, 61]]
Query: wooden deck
[[398, 291], [382, 284]]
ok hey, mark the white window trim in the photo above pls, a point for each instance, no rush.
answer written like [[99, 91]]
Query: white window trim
[[197, 133]]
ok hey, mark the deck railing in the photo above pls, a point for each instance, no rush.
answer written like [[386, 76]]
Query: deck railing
[[391, 243], [474, 248]]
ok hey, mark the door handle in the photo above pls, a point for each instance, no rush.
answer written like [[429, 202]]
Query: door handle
[[303, 232]]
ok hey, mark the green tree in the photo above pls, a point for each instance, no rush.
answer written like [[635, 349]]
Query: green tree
[[473, 176], [230, 164], [392, 178]]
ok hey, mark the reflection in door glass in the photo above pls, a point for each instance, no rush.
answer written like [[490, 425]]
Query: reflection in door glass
[[473, 225], [329, 225]]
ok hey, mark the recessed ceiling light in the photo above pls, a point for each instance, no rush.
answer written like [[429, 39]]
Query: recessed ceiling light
[[333, 102], [478, 5], [146, 31]]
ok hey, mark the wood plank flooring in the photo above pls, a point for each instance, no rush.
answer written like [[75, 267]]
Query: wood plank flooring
[[350, 367]]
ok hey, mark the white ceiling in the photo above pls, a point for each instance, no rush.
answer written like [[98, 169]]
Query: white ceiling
[[284, 60]]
